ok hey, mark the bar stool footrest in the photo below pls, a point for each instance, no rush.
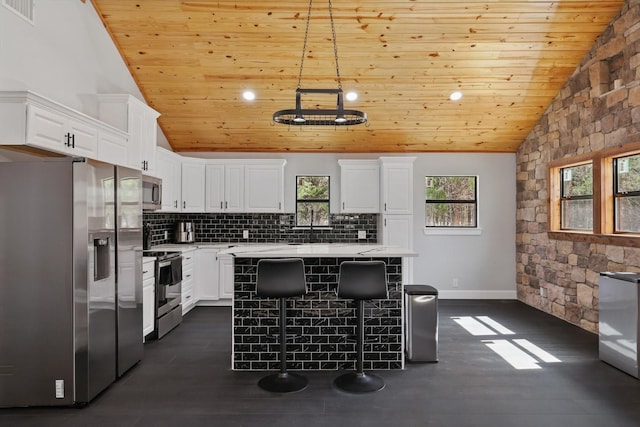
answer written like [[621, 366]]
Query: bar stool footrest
[[283, 383], [354, 382]]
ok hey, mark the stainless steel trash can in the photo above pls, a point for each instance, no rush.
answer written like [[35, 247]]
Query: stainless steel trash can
[[421, 323], [618, 324]]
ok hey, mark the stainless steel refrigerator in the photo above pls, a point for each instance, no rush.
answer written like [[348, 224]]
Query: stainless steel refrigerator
[[70, 279]]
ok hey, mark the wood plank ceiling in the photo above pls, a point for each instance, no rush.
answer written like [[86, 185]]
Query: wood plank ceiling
[[193, 59]]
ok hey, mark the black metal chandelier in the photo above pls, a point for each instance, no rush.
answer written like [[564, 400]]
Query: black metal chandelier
[[320, 117]]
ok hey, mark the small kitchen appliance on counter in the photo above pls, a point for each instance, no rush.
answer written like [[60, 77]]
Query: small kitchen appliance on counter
[[185, 232]]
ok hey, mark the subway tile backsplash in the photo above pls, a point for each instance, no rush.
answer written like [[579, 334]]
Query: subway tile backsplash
[[262, 228]]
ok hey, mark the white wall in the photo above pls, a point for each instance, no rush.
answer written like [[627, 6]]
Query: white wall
[[66, 55], [484, 264]]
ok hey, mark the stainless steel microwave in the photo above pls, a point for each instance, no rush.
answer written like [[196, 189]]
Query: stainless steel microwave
[[151, 193]]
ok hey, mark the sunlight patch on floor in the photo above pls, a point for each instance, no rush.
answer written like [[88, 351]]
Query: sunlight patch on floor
[[520, 353]]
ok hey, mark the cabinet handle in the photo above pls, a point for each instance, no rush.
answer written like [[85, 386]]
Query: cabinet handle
[[144, 271], [385, 222], [226, 205], [184, 205], [385, 207], [280, 205], [188, 275], [342, 205], [73, 141], [175, 204], [220, 204]]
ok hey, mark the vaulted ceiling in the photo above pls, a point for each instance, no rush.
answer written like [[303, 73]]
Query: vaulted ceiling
[[193, 59]]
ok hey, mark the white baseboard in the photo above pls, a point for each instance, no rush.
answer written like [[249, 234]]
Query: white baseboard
[[477, 294]]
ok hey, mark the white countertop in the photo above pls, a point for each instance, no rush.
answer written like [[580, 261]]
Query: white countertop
[[309, 250], [320, 250]]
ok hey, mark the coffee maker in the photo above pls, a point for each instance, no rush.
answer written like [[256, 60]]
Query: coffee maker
[[185, 232]]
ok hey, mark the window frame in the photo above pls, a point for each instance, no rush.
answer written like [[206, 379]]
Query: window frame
[[603, 198], [564, 198], [327, 200], [620, 194], [440, 229]]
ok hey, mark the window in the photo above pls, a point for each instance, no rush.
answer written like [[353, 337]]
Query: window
[[312, 201], [626, 193], [597, 195], [576, 196], [451, 201]]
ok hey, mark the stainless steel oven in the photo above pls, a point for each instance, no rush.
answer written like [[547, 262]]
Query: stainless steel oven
[[168, 301]]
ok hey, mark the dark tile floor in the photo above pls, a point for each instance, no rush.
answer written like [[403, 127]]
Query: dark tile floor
[[185, 380]]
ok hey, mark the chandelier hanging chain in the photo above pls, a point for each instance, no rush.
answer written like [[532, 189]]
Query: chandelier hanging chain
[[304, 45], [335, 44], [333, 38]]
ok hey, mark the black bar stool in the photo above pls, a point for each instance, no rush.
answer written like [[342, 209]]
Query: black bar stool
[[282, 278], [361, 280]]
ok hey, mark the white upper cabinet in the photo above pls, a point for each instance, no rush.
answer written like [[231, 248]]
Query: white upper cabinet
[[32, 120], [113, 146], [397, 185], [234, 188], [170, 171], [128, 113], [225, 187], [359, 186], [264, 186], [245, 185], [193, 185]]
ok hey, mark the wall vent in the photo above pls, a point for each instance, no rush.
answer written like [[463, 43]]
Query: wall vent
[[23, 8]]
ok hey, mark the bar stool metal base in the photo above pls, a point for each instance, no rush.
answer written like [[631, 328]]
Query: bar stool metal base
[[355, 382], [283, 383]]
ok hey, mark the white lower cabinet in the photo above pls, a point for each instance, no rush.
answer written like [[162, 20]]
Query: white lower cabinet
[[148, 296], [207, 276], [226, 276], [188, 279]]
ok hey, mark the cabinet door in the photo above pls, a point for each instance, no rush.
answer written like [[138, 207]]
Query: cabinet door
[[206, 284], [214, 198], [46, 129], [264, 188], [397, 230], [193, 179], [226, 277], [148, 140], [397, 188], [148, 306], [112, 147], [359, 186], [84, 139], [169, 170], [234, 188]]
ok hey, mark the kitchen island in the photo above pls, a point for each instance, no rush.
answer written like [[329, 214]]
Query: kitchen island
[[321, 326]]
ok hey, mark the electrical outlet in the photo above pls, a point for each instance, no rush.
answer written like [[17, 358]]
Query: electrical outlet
[[245, 234], [362, 234], [454, 283], [59, 389]]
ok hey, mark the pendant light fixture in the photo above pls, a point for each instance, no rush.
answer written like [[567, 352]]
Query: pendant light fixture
[[320, 117]]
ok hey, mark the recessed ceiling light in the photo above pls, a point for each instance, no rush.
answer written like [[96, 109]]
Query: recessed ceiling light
[[248, 95], [455, 96], [351, 96]]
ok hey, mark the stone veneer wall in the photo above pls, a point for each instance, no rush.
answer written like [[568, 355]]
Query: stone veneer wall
[[582, 118]]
